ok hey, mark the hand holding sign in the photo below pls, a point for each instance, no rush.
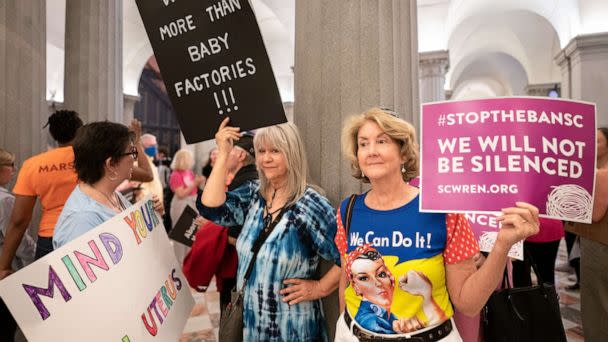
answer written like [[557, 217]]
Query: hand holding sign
[[225, 138], [518, 223]]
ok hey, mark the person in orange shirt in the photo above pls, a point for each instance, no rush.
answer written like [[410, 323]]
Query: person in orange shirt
[[51, 177]]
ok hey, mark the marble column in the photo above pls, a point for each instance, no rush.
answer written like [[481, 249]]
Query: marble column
[[541, 89], [93, 59], [350, 56], [23, 77], [433, 66], [584, 65]]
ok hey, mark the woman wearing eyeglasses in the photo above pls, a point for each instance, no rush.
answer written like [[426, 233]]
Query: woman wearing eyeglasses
[[104, 153]]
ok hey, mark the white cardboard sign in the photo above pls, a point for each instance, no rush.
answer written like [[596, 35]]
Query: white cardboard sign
[[118, 282]]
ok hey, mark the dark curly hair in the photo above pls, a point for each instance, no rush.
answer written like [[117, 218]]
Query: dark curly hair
[[96, 142], [63, 125]]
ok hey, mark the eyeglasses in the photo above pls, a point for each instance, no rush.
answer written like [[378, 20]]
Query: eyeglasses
[[133, 153], [12, 165]]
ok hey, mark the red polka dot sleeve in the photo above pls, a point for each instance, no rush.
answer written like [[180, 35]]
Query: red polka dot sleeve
[[461, 244], [340, 239]]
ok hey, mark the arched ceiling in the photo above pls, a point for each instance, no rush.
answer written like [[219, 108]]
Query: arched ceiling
[[501, 73], [525, 36], [478, 88], [563, 15]]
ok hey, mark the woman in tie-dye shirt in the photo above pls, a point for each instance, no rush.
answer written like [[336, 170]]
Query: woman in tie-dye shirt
[[281, 301]]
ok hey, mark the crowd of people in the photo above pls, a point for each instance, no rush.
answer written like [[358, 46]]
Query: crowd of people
[[265, 228]]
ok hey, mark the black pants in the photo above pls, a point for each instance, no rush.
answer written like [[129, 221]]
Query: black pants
[[544, 255], [8, 326], [44, 246], [576, 262]]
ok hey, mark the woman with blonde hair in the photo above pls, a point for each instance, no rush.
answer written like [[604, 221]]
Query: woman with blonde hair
[[288, 226], [434, 247], [184, 184]]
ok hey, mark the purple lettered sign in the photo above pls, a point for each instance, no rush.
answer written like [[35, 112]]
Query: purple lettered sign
[[484, 155]]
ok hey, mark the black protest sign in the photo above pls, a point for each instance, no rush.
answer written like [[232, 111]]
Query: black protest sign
[[214, 64], [185, 229]]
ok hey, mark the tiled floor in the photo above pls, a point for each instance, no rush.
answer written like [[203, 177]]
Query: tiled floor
[[203, 324], [570, 301], [204, 321]]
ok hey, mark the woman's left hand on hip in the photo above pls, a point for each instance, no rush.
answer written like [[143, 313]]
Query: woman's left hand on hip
[[300, 290]]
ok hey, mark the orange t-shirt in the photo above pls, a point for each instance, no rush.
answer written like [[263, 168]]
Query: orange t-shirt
[[52, 177]]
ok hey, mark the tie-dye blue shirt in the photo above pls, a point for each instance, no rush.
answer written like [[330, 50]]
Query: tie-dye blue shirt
[[304, 234]]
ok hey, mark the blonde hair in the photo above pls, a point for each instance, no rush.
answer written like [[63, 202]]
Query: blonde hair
[[397, 129], [183, 160], [6, 157], [286, 139]]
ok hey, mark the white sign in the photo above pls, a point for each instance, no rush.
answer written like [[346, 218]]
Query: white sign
[[118, 282]]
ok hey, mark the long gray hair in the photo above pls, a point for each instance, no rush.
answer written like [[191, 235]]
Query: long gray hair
[[285, 138]]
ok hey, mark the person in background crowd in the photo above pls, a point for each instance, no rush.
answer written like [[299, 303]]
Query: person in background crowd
[[431, 276], [155, 187], [104, 156], [163, 164], [25, 252], [281, 301], [573, 263], [241, 169], [542, 247], [184, 184], [594, 252], [49, 176], [210, 162]]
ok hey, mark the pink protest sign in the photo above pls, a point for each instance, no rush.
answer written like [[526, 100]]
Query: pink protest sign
[[484, 155]]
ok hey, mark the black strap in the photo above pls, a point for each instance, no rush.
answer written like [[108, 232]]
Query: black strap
[[533, 264], [527, 258], [257, 245], [349, 213]]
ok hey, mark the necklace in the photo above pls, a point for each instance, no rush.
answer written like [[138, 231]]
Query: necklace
[[268, 219], [269, 204], [114, 203], [269, 214]]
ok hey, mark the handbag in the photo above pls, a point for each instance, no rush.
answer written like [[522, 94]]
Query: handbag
[[523, 314], [231, 323]]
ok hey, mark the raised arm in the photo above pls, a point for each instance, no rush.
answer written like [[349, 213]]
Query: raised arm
[[143, 171]]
